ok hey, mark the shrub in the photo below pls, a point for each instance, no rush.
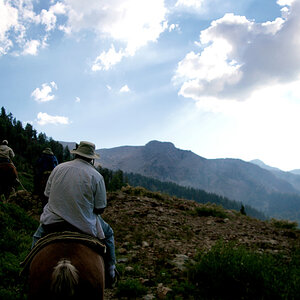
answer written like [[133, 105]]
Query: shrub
[[228, 272], [212, 210], [284, 224], [142, 192], [26, 180], [16, 229], [130, 288]]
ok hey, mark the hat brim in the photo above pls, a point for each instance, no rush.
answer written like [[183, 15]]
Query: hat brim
[[85, 155], [48, 152]]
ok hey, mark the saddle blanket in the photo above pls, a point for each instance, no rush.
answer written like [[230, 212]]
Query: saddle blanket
[[64, 236]]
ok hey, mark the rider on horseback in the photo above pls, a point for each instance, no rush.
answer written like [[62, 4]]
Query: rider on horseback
[[45, 164], [8, 172], [77, 197], [6, 153]]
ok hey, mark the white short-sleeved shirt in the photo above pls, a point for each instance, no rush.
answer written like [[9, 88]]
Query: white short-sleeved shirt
[[74, 189], [6, 152]]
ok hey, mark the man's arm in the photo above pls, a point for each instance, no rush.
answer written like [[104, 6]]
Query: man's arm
[[99, 211], [99, 196], [11, 153]]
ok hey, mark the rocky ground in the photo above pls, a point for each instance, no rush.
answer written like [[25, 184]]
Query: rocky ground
[[156, 235]]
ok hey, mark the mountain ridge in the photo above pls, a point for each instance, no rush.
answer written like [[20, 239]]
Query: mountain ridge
[[270, 190], [232, 178]]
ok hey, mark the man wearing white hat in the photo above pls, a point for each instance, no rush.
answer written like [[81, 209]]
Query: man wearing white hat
[[77, 197], [6, 153]]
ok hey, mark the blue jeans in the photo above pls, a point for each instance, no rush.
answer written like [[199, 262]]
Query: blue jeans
[[109, 240]]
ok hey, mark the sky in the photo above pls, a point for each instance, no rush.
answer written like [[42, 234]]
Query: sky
[[218, 77]]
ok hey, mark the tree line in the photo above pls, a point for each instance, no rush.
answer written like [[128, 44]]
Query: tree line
[[27, 143], [115, 180]]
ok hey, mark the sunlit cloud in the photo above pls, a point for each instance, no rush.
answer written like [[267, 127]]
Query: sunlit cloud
[[44, 119], [173, 27], [31, 47], [8, 21], [44, 94], [285, 2], [131, 23], [125, 89], [238, 56], [20, 26], [190, 3], [107, 59]]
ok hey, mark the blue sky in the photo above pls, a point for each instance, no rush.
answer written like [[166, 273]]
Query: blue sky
[[217, 77]]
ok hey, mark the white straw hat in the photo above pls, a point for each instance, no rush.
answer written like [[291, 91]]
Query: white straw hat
[[86, 149]]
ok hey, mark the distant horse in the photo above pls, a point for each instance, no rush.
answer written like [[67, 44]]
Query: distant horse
[[66, 270], [8, 178]]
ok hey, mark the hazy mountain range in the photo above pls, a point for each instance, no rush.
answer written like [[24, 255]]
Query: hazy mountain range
[[268, 189]]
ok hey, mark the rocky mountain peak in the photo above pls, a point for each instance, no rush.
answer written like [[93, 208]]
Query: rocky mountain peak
[[159, 146]]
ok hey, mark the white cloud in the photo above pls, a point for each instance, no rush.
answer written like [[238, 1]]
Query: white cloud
[[20, 26], [43, 94], [190, 3], [107, 59], [58, 8], [31, 47], [173, 27], [285, 2], [8, 21], [44, 118], [48, 18], [132, 23], [264, 126], [125, 89], [77, 99], [237, 56]]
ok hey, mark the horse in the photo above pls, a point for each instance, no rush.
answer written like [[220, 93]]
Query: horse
[[66, 270], [8, 178]]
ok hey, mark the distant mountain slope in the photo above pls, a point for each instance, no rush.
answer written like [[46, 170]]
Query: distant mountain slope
[[263, 165], [292, 177], [296, 171], [232, 178], [70, 145]]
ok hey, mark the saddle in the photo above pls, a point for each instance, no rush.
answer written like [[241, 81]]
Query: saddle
[[4, 160], [65, 236]]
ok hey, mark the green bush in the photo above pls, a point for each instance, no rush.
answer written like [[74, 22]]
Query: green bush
[[130, 288], [228, 272], [16, 229], [284, 224], [212, 210], [26, 181], [142, 192]]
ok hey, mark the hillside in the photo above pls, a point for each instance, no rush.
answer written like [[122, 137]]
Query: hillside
[[156, 235], [292, 177], [232, 178]]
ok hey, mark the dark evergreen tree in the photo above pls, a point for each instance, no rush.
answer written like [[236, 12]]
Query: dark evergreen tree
[[66, 154], [26, 143], [242, 210]]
